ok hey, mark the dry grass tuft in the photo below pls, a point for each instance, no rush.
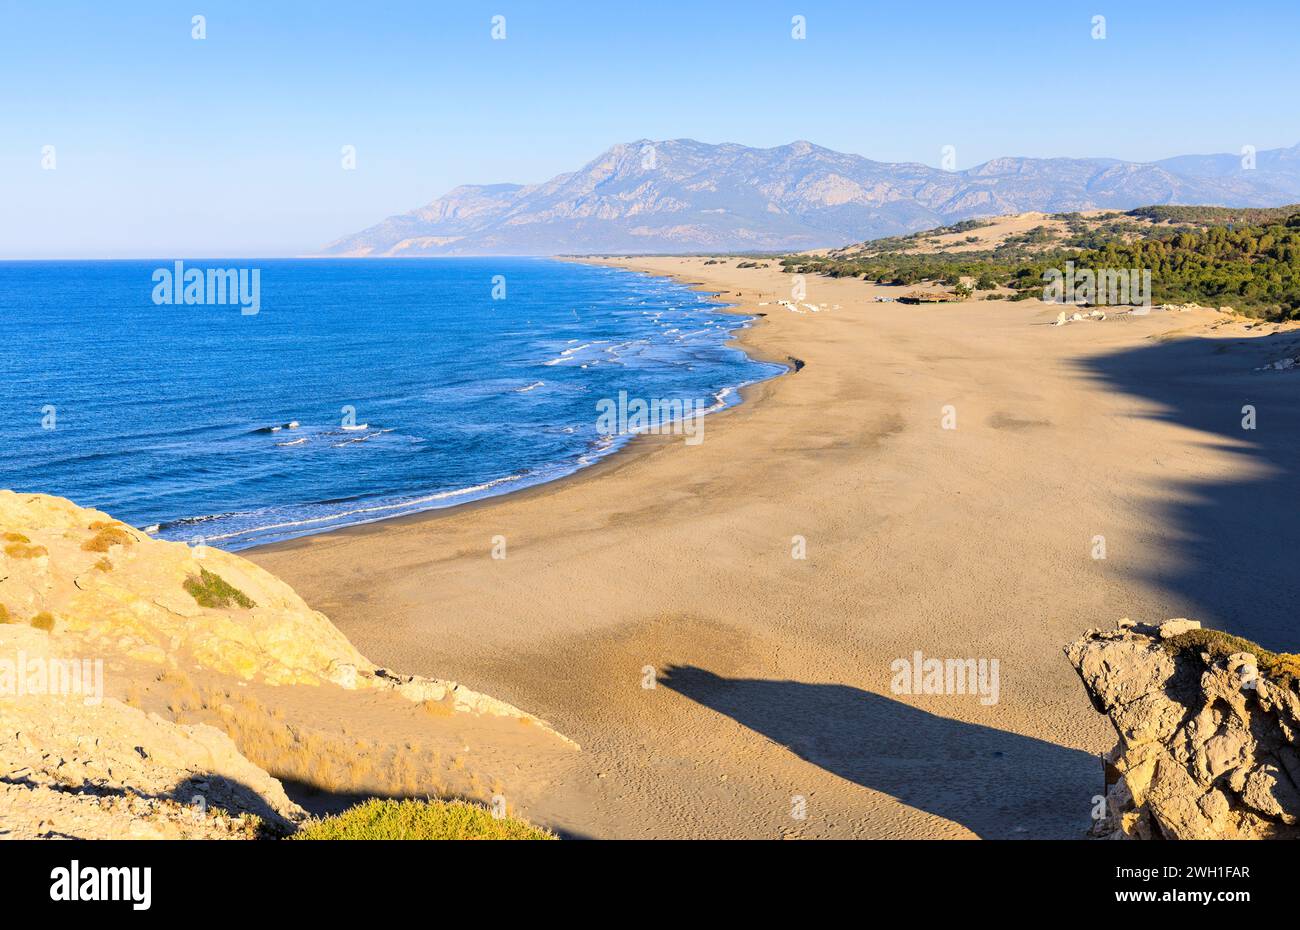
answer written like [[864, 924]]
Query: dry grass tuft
[[18, 550], [43, 621], [332, 762], [184, 695], [106, 536], [443, 708]]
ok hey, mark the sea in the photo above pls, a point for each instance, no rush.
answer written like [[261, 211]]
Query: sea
[[358, 390]]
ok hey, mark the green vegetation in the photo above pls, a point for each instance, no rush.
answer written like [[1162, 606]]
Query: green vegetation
[[896, 243], [1253, 268], [1249, 267], [1039, 235], [1083, 236], [1217, 216], [996, 267], [419, 820], [1280, 667], [211, 590]]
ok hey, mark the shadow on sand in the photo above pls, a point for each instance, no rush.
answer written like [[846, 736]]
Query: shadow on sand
[[999, 785], [1235, 541]]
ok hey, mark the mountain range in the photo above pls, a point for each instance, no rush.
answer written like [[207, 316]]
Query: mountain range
[[681, 195]]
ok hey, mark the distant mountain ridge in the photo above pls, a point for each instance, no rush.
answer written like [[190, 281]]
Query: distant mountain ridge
[[681, 195]]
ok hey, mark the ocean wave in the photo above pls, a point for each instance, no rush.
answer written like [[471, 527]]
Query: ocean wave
[[367, 437], [292, 424], [165, 525], [720, 399], [252, 483], [597, 448], [567, 355], [408, 505]]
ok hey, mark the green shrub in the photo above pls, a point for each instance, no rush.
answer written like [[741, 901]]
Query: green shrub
[[419, 820], [211, 590], [1248, 259], [1281, 667]]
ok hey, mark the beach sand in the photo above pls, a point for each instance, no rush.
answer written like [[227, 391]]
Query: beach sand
[[671, 565]]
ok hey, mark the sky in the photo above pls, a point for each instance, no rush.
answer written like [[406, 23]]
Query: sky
[[231, 145]]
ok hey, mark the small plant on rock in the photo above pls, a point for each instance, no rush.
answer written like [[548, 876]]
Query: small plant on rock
[[106, 536], [211, 590]]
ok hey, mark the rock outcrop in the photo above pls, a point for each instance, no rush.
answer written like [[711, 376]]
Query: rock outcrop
[[76, 764], [112, 589], [81, 592], [1209, 728]]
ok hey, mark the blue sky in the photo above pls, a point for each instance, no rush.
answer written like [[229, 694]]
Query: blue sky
[[230, 146]]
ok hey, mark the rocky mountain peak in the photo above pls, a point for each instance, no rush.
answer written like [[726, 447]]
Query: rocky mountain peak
[[678, 195]]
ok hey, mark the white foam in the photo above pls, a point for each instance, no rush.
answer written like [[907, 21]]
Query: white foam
[[442, 495]]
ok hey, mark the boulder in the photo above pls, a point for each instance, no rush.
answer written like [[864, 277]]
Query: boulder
[[1207, 726]]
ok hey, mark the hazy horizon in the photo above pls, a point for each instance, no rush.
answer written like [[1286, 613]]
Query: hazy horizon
[[231, 145]]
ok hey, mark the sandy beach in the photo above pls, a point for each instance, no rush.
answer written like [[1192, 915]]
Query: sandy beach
[[652, 609]]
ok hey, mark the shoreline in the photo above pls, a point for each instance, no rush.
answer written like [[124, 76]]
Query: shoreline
[[770, 576], [635, 445]]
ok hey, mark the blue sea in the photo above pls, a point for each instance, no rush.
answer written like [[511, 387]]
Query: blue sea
[[360, 390]]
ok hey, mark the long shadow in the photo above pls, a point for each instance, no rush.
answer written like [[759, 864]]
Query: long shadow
[[234, 797], [1235, 539], [999, 785], [215, 791]]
